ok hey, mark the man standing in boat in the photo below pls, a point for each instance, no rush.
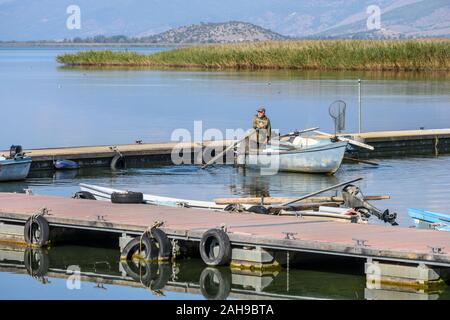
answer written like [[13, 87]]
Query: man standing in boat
[[261, 124]]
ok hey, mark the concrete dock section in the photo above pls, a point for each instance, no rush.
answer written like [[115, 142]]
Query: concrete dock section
[[271, 232], [404, 143]]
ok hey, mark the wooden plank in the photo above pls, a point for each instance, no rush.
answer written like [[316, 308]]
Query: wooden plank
[[275, 200]]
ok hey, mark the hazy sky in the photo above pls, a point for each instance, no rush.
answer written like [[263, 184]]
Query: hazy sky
[[47, 19]]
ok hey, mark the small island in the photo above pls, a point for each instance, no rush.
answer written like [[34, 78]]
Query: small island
[[376, 55]]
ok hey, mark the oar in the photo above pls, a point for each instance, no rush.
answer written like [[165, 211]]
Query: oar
[[320, 191], [296, 133], [356, 143], [361, 161], [228, 148]]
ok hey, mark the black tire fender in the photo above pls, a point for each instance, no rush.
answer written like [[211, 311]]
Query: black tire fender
[[163, 244], [118, 161], [132, 249], [36, 262], [127, 197], [83, 195], [215, 284], [37, 231], [211, 239]]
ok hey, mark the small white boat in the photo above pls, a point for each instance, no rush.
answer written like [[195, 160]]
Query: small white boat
[[315, 156], [103, 193], [14, 169]]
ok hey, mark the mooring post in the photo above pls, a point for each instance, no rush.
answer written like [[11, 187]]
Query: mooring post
[[359, 105]]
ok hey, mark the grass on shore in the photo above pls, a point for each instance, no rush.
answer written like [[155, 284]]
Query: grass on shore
[[406, 55]]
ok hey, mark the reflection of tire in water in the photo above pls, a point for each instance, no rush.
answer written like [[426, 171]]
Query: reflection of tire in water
[[150, 274], [215, 284], [36, 262]]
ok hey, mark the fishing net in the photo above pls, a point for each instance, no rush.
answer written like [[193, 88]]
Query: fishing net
[[337, 113]]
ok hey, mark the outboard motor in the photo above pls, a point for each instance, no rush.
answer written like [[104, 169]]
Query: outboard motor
[[353, 198], [15, 151]]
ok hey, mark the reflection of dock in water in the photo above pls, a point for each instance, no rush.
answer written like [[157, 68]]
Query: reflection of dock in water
[[191, 277]]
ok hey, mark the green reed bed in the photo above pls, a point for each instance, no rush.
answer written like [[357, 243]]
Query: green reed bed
[[313, 54]]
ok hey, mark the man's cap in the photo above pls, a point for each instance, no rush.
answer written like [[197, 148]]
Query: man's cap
[[262, 109]]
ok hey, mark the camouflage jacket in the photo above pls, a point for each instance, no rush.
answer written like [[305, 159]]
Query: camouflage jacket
[[266, 127]]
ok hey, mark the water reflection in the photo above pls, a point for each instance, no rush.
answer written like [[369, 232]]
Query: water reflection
[[103, 268]]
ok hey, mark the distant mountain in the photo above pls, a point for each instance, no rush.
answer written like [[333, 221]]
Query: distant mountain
[[413, 19], [227, 32], [24, 20]]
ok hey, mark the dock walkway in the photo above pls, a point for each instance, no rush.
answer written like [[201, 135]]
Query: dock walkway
[[431, 142], [380, 242]]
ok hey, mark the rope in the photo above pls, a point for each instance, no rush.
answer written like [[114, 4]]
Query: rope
[[436, 149]]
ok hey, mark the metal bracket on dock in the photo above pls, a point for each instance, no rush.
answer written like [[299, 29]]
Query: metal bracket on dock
[[289, 235], [361, 242], [436, 249]]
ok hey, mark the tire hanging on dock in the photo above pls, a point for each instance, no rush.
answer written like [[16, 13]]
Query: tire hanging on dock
[[210, 240], [146, 250], [36, 231], [163, 244], [215, 284]]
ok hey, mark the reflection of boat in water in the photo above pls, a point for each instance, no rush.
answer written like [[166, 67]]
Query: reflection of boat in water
[[320, 156], [430, 220]]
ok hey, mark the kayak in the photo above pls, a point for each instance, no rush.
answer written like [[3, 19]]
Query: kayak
[[324, 156], [430, 220]]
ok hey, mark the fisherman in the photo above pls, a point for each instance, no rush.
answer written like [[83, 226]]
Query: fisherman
[[262, 126]]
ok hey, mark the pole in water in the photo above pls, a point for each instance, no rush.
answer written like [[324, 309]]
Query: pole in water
[[359, 105]]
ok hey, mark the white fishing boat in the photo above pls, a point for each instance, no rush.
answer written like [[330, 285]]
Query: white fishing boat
[[104, 193], [303, 155]]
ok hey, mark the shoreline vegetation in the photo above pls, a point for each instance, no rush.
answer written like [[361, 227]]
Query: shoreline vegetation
[[375, 55]]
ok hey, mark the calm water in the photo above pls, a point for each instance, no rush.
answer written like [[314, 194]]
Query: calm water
[[46, 105]]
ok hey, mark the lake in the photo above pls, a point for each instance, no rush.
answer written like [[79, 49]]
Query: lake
[[46, 105]]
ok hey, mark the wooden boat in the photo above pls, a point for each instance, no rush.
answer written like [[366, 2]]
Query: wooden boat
[[430, 220], [14, 169], [104, 193], [319, 156]]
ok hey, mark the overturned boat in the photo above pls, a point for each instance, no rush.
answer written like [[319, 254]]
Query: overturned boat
[[104, 193], [16, 167]]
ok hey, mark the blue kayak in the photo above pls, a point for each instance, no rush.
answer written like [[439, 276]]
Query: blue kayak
[[66, 165], [430, 220]]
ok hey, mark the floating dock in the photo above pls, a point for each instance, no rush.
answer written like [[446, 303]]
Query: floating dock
[[386, 143], [414, 256]]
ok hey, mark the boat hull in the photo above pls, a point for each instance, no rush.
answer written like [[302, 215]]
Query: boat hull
[[430, 220], [324, 158], [14, 169]]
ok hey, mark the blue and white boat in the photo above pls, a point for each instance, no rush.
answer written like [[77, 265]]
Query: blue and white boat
[[430, 220], [66, 165], [14, 169]]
